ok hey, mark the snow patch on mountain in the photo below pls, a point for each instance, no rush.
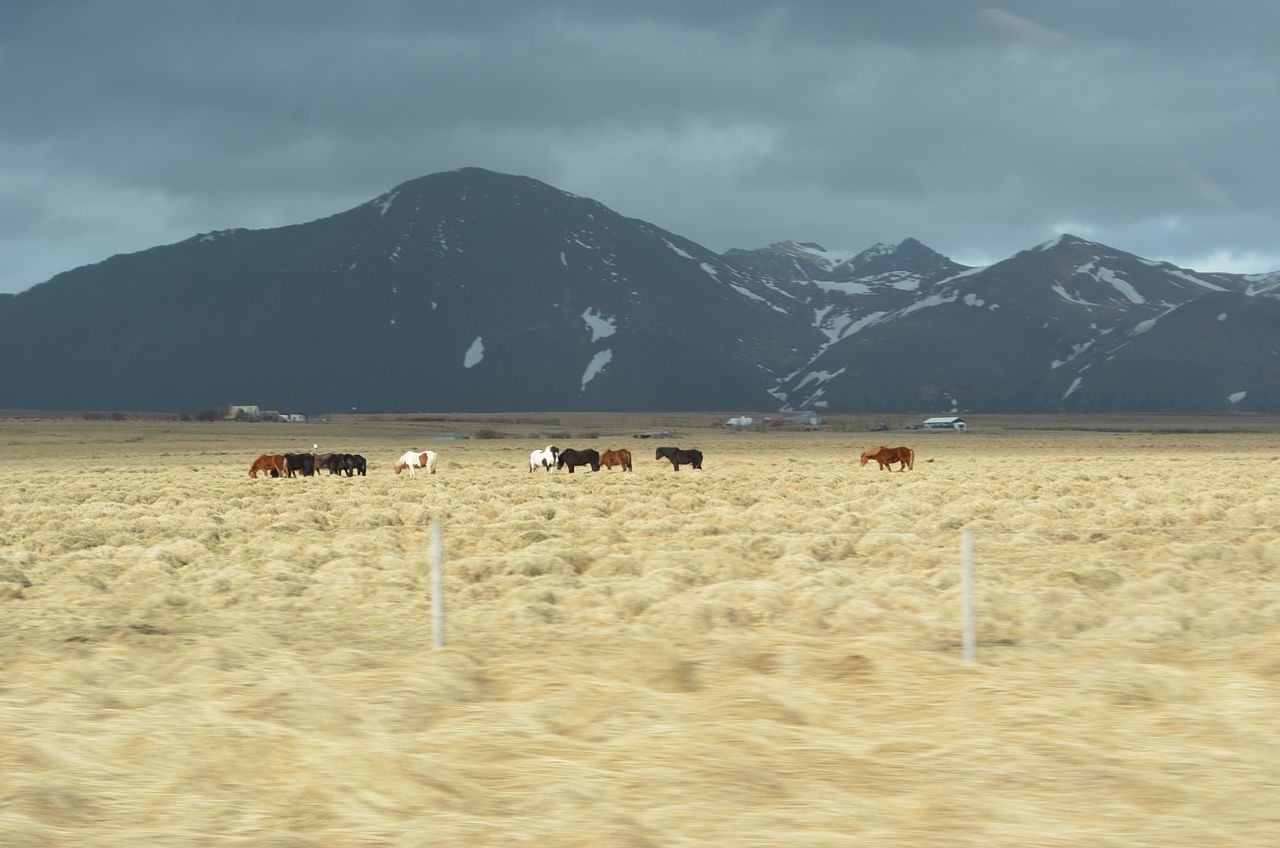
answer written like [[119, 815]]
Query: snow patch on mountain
[[820, 255], [1236, 397], [1106, 275], [384, 202], [1178, 272], [818, 377], [1075, 384], [1076, 350], [1145, 326], [931, 300], [600, 325], [678, 251], [846, 288], [745, 292], [474, 354], [595, 366], [1068, 297]]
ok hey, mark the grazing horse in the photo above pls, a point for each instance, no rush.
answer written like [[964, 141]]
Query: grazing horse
[[887, 456], [303, 463], [680, 457], [353, 464], [417, 459], [611, 458], [271, 464], [544, 458], [570, 457]]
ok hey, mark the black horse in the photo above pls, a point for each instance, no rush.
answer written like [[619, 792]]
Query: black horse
[[354, 463], [680, 457], [569, 458], [300, 463]]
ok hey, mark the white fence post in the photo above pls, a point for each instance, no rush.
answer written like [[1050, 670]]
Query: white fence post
[[437, 587], [966, 595]]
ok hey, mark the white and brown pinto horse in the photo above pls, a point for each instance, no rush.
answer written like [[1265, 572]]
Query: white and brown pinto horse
[[417, 459]]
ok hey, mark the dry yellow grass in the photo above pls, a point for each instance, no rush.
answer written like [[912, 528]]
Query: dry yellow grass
[[762, 654]]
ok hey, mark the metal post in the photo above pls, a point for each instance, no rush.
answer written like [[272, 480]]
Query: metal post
[[966, 593], [437, 587]]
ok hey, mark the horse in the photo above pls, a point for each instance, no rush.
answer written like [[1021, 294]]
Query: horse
[[680, 457], [570, 457], [417, 459], [611, 458], [353, 464], [887, 456], [544, 458], [271, 464], [304, 463]]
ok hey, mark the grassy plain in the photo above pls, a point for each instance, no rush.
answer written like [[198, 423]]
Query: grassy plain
[[765, 653]]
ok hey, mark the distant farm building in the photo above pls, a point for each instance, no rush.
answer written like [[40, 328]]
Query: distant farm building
[[246, 412], [740, 423], [950, 423], [808, 419]]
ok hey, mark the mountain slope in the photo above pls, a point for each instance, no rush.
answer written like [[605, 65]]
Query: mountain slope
[[473, 290], [462, 290], [1015, 336]]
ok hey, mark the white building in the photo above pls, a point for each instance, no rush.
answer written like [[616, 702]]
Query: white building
[[949, 423]]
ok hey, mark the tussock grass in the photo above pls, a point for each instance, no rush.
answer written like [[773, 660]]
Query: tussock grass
[[764, 653]]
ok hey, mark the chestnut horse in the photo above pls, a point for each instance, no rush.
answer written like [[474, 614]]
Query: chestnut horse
[[887, 456], [271, 464], [611, 458]]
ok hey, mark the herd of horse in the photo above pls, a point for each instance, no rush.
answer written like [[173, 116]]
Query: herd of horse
[[549, 458], [308, 464]]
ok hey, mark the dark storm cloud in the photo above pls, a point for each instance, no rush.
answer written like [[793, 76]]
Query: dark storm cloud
[[979, 128]]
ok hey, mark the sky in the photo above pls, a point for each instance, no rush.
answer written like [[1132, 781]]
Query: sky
[[1149, 125]]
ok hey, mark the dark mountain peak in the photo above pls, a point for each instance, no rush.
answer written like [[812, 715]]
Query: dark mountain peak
[[909, 255]]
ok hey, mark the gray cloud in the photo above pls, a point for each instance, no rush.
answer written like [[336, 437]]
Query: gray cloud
[[978, 128]]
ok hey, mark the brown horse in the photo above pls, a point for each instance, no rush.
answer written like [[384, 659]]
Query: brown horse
[[610, 458], [887, 456], [271, 464]]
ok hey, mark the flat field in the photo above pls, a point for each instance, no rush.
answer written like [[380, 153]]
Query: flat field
[[764, 653]]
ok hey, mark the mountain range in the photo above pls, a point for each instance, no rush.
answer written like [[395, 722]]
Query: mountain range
[[480, 291]]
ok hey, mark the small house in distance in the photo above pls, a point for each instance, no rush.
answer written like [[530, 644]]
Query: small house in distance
[[741, 422], [807, 419], [949, 423]]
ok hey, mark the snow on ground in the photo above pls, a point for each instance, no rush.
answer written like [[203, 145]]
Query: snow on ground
[[1076, 350], [595, 366], [1106, 275], [677, 250], [1068, 297], [745, 292], [600, 326], [475, 353], [818, 377], [384, 203], [1178, 272]]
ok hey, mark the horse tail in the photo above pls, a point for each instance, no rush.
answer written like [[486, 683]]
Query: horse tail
[[911, 459]]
